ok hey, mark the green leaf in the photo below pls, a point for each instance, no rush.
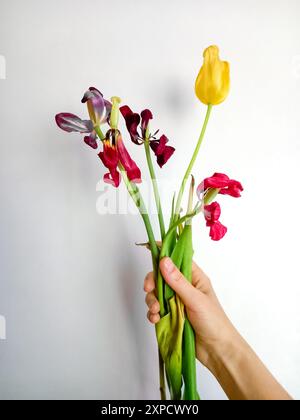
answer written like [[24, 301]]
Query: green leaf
[[169, 332], [189, 352], [189, 363]]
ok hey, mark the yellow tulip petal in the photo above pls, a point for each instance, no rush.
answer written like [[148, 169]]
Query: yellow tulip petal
[[213, 81]]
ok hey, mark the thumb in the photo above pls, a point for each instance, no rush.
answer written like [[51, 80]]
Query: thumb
[[178, 282]]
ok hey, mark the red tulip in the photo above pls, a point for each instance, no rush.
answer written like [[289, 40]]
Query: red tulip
[[114, 156], [159, 146], [209, 188]]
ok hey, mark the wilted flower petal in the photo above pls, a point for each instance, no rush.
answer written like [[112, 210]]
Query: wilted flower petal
[[146, 116], [212, 213], [132, 121], [70, 122], [106, 115], [110, 159], [223, 183], [91, 140], [217, 231], [131, 168], [96, 105], [234, 189], [161, 150]]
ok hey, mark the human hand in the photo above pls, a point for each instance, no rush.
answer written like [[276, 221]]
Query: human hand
[[212, 327], [219, 346]]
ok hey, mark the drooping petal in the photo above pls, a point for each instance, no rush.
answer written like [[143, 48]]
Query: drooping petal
[[217, 184], [212, 213], [217, 231], [70, 122], [165, 156], [131, 168], [161, 150], [91, 140], [106, 115], [113, 177], [234, 189], [132, 121], [221, 182], [110, 159], [146, 116], [158, 146], [218, 180], [109, 156], [96, 105]]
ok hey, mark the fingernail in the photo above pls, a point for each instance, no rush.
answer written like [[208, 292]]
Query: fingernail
[[169, 265]]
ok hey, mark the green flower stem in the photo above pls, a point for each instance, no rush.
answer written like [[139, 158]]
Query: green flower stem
[[162, 384], [139, 202], [155, 189], [191, 164], [99, 132], [191, 199]]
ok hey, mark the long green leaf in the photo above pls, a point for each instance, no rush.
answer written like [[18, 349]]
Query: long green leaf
[[189, 353]]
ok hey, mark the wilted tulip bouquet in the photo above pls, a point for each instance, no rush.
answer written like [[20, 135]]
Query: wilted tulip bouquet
[[175, 335]]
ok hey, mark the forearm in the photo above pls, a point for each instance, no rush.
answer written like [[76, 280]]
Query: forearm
[[241, 373]]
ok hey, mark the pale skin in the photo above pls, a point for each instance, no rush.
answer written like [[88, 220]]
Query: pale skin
[[219, 346]]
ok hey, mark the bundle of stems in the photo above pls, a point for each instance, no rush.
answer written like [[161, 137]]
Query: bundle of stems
[[175, 335]]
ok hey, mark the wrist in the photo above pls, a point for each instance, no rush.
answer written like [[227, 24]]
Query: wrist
[[223, 353], [240, 372], [225, 359]]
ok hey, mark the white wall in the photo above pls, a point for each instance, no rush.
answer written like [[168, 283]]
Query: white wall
[[71, 280]]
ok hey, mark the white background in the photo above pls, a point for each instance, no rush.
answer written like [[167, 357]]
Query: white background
[[71, 280]]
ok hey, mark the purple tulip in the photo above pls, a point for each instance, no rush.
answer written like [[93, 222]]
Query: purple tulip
[[98, 107]]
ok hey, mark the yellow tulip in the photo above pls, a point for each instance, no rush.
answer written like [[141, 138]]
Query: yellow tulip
[[213, 81]]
